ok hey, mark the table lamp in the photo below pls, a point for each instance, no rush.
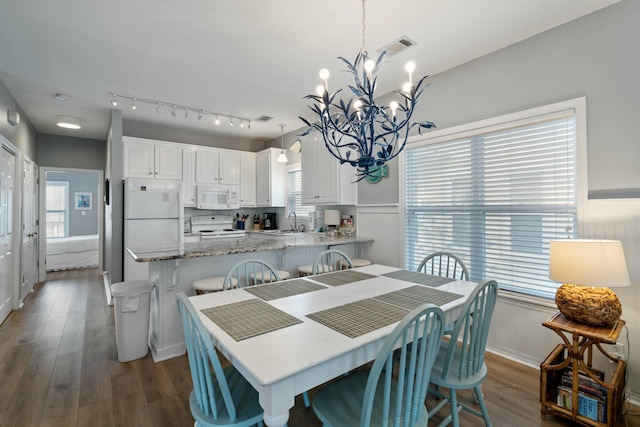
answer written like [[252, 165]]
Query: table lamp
[[588, 268]]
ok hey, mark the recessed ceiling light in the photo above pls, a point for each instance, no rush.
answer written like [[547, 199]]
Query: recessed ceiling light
[[68, 122], [62, 97]]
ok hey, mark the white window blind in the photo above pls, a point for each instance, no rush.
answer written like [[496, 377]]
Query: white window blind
[[495, 198], [294, 188]]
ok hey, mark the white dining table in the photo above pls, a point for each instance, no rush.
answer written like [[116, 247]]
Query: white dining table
[[284, 363]]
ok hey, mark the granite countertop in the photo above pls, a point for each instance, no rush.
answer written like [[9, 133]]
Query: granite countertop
[[251, 242]]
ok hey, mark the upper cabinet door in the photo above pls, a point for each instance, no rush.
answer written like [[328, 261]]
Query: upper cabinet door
[[168, 162], [207, 166], [247, 179], [229, 167], [138, 160], [189, 177], [148, 159]]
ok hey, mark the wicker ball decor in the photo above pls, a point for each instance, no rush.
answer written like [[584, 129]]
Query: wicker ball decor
[[595, 306]]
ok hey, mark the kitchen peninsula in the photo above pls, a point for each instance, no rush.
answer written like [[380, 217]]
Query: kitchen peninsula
[[174, 270]]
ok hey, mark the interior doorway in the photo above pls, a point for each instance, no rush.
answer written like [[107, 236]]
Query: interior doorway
[[72, 212]]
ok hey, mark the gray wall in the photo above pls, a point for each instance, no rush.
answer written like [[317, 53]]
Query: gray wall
[[114, 212], [22, 136], [69, 152], [81, 222], [595, 56], [188, 136]]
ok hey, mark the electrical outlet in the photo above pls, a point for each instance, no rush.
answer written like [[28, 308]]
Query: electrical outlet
[[618, 351]]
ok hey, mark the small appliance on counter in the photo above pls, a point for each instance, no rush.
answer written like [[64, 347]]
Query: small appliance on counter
[[214, 227], [269, 221]]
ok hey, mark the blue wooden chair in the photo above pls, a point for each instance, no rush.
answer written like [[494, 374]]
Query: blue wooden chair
[[444, 264], [220, 396], [387, 394], [331, 260], [249, 272], [460, 363]]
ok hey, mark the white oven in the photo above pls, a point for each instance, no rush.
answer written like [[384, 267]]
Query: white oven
[[217, 197]]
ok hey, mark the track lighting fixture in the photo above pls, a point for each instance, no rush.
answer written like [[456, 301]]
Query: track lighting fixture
[[201, 112]]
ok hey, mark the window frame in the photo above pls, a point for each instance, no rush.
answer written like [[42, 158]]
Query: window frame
[[297, 167], [66, 210], [516, 119]]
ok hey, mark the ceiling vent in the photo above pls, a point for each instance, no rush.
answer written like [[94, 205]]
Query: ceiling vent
[[263, 119], [397, 46]]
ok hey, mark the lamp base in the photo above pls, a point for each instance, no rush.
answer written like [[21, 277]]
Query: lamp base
[[596, 306]]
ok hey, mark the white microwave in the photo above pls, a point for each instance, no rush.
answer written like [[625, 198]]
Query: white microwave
[[217, 197]]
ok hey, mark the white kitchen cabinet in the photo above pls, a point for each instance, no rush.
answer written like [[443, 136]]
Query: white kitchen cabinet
[[324, 180], [247, 179], [271, 179], [189, 177], [217, 166], [145, 158]]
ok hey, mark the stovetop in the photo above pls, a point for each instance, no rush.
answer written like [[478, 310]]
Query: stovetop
[[214, 227]]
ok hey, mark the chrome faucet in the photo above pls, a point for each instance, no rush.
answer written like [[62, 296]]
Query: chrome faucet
[[295, 220]]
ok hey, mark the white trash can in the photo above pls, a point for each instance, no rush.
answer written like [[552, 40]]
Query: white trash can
[[132, 300]]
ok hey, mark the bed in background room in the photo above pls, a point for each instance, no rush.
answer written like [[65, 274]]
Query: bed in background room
[[66, 253]]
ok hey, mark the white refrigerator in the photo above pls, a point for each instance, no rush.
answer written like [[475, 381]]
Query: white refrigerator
[[153, 221]]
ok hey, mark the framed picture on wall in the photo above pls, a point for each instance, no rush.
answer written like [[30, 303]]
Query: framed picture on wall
[[83, 201]]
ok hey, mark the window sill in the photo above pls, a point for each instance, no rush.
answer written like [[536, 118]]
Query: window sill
[[528, 300]]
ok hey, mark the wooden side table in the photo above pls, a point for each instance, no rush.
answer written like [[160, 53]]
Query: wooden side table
[[571, 355]]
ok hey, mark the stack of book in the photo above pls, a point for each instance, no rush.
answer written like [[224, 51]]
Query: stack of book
[[592, 397]]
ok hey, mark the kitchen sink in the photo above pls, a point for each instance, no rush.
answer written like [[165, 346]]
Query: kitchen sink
[[280, 232]]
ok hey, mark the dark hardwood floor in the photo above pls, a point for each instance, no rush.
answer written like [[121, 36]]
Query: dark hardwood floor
[[59, 367]]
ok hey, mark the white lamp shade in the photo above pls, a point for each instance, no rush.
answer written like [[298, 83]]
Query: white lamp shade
[[588, 262]]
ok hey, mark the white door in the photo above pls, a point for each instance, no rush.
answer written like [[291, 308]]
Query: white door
[[7, 185], [28, 256]]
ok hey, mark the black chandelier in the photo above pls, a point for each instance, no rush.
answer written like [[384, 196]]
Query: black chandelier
[[359, 131]]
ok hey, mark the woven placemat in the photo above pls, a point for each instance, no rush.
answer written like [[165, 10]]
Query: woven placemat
[[419, 278], [250, 318], [283, 289], [414, 296], [341, 277], [360, 317]]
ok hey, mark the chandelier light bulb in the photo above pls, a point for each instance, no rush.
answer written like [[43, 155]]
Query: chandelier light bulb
[[241, 123], [200, 115], [217, 120], [324, 74], [113, 100], [320, 90], [394, 107], [407, 87], [369, 65], [230, 121], [133, 104], [409, 68]]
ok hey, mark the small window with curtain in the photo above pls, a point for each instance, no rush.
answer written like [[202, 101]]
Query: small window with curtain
[[495, 196], [294, 192]]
